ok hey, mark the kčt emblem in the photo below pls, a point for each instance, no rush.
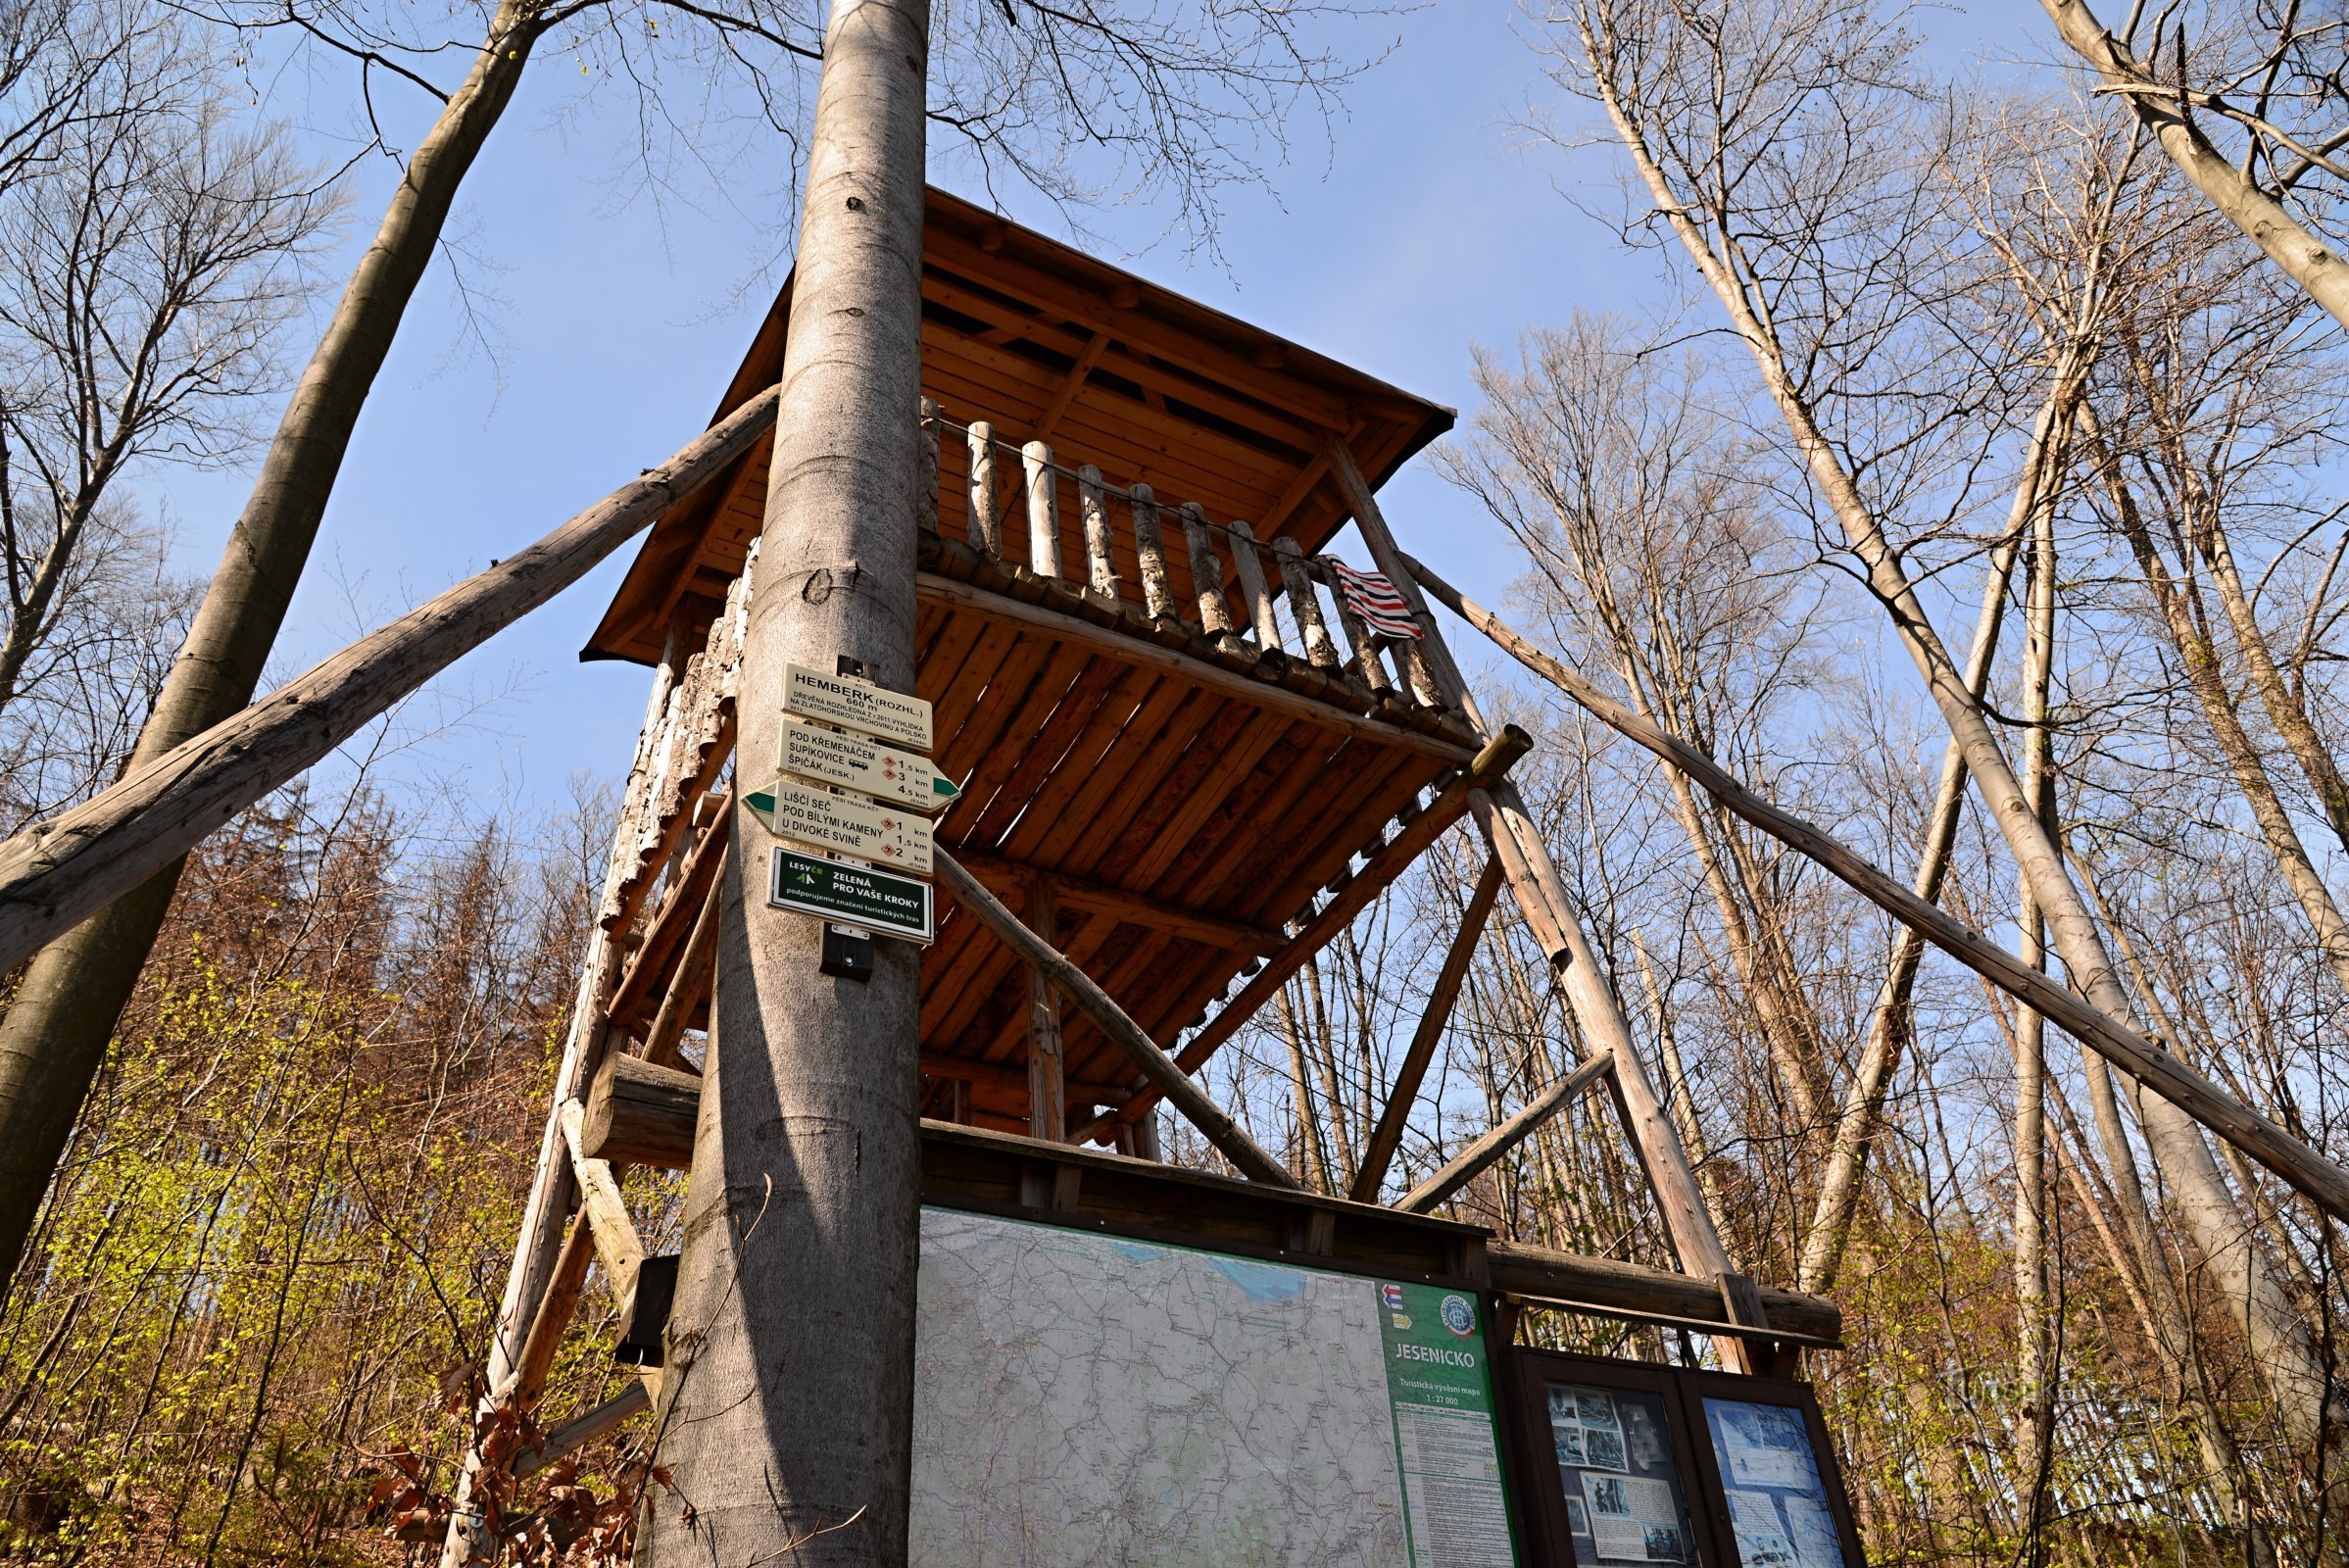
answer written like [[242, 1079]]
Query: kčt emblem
[[1459, 1317]]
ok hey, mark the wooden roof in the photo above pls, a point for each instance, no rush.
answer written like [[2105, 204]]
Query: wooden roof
[[1046, 343]]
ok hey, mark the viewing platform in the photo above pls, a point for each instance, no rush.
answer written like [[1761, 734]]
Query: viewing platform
[[1180, 757]]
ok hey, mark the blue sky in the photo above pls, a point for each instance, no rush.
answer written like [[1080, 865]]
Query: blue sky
[[1432, 226]]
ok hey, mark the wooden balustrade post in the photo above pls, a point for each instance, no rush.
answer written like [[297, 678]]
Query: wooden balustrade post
[[1044, 509], [1093, 509], [985, 523], [1207, 573], [925, 502], [1150, 550], [1252, 584], [1304, 603]]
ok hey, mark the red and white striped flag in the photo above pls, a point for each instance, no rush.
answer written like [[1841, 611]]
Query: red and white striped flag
[[1376, 601]]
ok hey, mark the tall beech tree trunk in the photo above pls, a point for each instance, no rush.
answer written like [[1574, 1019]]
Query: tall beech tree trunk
[[2279, 1338], [788, 1401], [2035, 1452], [55, 1036]]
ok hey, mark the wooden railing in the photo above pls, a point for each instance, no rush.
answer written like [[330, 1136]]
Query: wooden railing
[[1171, 544]]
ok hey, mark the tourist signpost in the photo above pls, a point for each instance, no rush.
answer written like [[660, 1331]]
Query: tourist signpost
[[855, 782]]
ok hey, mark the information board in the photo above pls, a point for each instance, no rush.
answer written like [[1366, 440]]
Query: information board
[[1083, 1398]]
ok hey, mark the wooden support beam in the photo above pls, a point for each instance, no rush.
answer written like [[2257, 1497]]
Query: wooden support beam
[[1637, 1290], [691, 983], [649, 965], [576, 1433], [1534, 878], [1048, 1111], [1382, 867], [639, 1114], [554, 1314], [1070, 385], [1088, 897], [1477, 1158], [1385, 1138], [1096, 1003], [618, 1247], [935, 589], [2322, 1181], [1014, 1075], [57, 872]]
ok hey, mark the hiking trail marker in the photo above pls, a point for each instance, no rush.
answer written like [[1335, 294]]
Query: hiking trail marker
[[847, 894], [893, 774], [889, 836], [857, 703]]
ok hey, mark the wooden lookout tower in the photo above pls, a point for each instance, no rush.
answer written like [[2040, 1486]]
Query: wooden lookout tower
[[1186, 762]]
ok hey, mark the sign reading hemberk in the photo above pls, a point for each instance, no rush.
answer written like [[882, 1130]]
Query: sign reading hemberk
[[859, 705], [852, 895], [847, 824], [854, 762]]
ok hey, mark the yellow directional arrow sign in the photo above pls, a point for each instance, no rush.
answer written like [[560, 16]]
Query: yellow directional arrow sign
[[851, 825]]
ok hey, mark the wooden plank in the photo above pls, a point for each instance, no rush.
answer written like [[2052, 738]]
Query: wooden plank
[[1489, 764], [1479, 1156], [618, 1247], [554, 1316], [1080, 893], [649, 965], [1134, 651], [578, 1432], [1385, 1137], [1229, 1139], [691, 980]]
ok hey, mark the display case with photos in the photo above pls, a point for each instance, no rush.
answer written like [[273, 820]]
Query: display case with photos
[[1606, 1453], [1631, 1465]]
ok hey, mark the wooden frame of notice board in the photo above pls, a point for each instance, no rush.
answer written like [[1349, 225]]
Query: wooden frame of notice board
[[1752, 1470]]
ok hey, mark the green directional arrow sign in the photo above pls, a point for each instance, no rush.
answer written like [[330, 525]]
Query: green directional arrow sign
[[853, 895]]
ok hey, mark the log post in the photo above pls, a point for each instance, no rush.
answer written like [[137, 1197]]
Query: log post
[[1044, 509], [1047, 1111], [1254, 586], [1149, 549], [1305, 604], [1509, 830], [1207, 572], [788, 1397], [925, 504], [986, 523], [1100, 565]]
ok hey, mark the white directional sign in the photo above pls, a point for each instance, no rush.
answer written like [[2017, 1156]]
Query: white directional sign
[[859, 705], [851, 825], [892, 773]]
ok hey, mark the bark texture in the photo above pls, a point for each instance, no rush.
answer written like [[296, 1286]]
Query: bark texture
[[788, 1399]]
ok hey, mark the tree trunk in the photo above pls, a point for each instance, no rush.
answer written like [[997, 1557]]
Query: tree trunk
[[2034, 1451], [2279, 1339], [787, 1401], [1890, 1027], [2286, 708], [2189, 622], [55, 1035]]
